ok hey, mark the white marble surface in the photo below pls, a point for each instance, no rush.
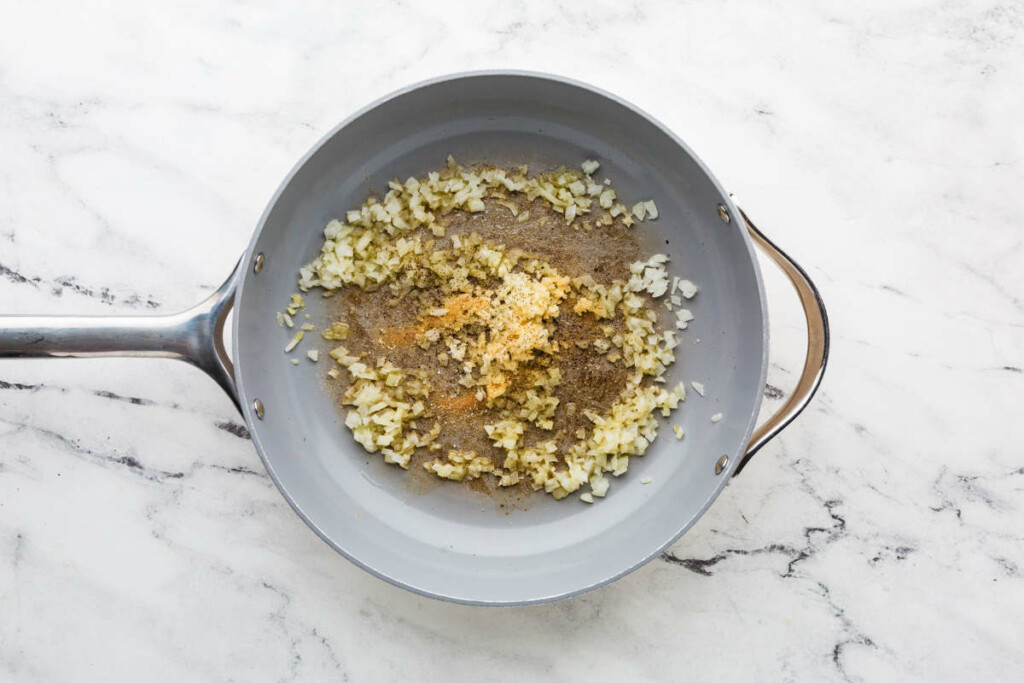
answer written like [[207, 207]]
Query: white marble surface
[[879, 539]]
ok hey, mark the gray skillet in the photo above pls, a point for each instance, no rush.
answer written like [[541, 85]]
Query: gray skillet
[[449, 542]]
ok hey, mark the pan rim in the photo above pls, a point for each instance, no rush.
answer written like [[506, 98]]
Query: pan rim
[[248, 411]]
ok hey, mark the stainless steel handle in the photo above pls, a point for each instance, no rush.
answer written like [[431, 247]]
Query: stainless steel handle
[[195, 336], [817, 344]]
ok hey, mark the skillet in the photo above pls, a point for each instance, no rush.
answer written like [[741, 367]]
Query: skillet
[[447, 542]]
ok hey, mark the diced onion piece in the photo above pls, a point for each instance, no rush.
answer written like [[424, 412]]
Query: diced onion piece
[[698, 387], [652, 209], [295, 341], [336, 332], [313, 355], [646, 480], [683, 317], [678, 431], [717, 417], [589, 166], [688, 289], [587, 497]]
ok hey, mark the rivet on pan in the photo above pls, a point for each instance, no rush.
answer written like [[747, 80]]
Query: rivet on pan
[[257, 263], [257, 405], [720, 466], [723, 213]]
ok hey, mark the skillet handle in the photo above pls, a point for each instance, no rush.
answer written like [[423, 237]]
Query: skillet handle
[[195, 336], [817, 344]]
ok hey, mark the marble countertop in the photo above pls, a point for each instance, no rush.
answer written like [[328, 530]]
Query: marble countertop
[[880, 538]]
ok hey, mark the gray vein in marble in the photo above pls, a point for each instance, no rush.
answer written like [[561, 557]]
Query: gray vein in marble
[[19, 550], [239, 470], [18, 386], [57, 286], [852, 634], [226, 425], [955, 490], [795, 554], [816, 539], [234, 428], [127, 460], [283, 621], [134, 400]]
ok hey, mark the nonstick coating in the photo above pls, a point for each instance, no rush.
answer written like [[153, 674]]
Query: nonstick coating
[[445, 540]]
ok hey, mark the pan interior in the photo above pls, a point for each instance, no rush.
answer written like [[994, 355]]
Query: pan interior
[[447, 540]]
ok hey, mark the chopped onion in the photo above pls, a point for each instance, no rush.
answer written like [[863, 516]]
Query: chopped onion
[[375, 247]]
